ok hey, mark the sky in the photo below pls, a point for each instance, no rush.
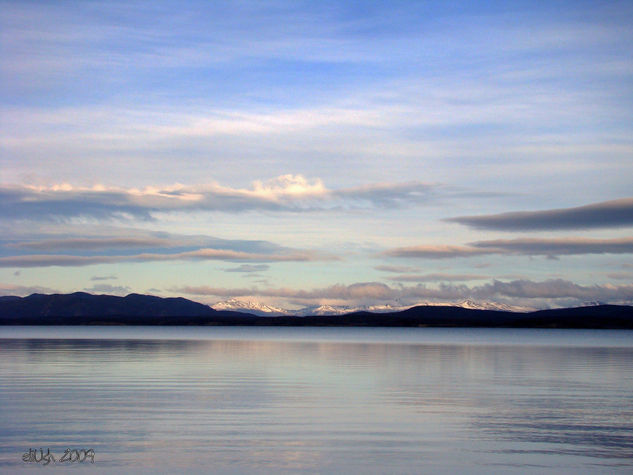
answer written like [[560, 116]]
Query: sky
[[318, 153]]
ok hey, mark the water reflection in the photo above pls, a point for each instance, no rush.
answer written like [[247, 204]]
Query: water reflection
[[274, 404]]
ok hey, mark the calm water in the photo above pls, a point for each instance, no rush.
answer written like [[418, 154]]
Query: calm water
[[328, 400]]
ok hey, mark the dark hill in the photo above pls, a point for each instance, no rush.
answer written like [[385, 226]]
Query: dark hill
[[602, 316], [81, 308]]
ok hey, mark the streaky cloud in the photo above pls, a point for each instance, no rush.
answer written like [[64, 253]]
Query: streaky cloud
[[95, 243], [560, 246], [48, 260], [437, 277], [82, 238], [97, 278], [63, 202], [396, 269], [550, 247], [286, 193], [437, 251], [249, 268], [606, 214]]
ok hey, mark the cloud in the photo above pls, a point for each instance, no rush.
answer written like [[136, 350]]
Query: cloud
[[290, 193], [557, 247], [82, 238], [109, 289], [95, 243], [364, 290], [396, 269], [22, 290], [249, 268], [103, 277], [554, 289], [48, 260], [437, 251], [523, 246], [386, 195], [59, 202], [436, 277], [549, 291], [607, 214], [227, 122]]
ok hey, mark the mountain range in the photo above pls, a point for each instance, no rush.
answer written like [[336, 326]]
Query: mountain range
[[257, 308], [81, 308]]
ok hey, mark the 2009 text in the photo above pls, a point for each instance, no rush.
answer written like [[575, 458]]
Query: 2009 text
[[69, 456]]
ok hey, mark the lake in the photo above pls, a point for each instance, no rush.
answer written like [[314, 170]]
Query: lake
[[318, 400]]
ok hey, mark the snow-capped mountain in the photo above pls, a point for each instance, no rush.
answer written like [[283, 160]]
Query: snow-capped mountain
[[396, 307], [256, 308], [324, 310], [593, 303], [489, 306]]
